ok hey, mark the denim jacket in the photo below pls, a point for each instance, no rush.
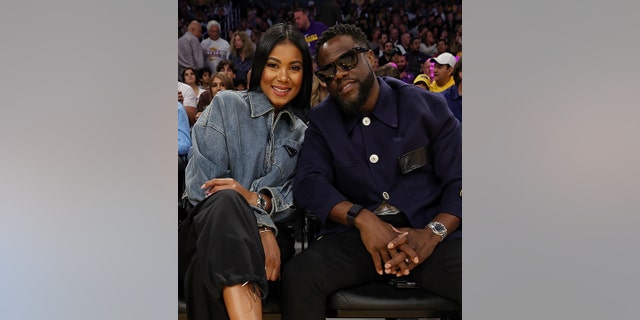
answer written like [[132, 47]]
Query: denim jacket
[[237, 137]]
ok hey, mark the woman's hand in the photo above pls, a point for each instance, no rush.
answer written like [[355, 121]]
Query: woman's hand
[[214, 185], [271, 254]]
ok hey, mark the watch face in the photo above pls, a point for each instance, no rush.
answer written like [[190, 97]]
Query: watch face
[[438, 227]]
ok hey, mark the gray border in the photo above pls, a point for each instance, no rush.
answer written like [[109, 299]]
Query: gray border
[[88, 205], [550, 160]]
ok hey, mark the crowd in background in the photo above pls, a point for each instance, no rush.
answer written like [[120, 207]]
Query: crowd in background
[[417, 41], [416, 29]]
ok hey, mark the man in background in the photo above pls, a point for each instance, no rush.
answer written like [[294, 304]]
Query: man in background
[[189, 51], [310, 29], [215, 48]]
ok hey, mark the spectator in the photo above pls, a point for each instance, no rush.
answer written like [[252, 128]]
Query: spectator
[[184, 143], [456, 47], [189, 52], [415, 58], [428, 45], [381, 168], [405, 42], [227, 66], [204, 76], [387, 53], [422, 81], [318, 91], [388, 70], [239, 178], [442, 72], [215, 48], [184, 132], [189, 76], [310, 29], [453, 95], [427, 68], [188, 98], [219, 82], [374, 41], [442, 46], [394, 35], [241, 54], [401, 61]]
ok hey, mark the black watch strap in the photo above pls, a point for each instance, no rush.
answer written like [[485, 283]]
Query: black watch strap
[[353, 213]]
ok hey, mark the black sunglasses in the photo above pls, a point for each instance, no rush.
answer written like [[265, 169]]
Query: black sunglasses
[[346, 61]]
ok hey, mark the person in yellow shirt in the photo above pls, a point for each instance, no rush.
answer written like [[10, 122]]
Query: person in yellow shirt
[[442, 72]]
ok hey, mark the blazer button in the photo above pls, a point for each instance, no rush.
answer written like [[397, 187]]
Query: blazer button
[[373, 158], [366, 121]]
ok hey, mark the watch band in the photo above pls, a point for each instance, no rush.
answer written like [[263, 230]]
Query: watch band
[[353, 212]]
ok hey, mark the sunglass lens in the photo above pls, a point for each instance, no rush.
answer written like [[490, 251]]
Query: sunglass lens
[[326, 73], [348, 60]]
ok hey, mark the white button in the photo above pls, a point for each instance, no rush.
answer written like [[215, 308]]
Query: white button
[[373, 158], [385, 195], [366, 121]]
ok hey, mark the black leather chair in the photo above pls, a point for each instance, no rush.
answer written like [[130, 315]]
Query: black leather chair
[[381, 300]]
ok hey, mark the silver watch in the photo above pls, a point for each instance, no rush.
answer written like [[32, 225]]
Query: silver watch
[[261, 202], [438, 228]]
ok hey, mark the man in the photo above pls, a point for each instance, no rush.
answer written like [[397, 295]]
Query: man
[[442, 46], [310, 29], [380, 167], [405, 43], [386, 54], [215, 48], [401, 61], [442, 72], [189, 52], [453, 95], [229, 68], [415, 58]]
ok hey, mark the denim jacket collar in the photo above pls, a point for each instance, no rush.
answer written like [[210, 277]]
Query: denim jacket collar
[[260, 105]]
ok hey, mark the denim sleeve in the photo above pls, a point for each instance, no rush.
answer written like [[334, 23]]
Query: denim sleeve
[[205, 161]]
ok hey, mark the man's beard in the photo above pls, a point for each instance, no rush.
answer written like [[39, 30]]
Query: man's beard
[[353, 107]]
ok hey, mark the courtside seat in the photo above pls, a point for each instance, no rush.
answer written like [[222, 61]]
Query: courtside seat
[[382, 300]]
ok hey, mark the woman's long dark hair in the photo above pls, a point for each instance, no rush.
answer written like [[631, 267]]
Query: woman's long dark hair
[[275, 35]]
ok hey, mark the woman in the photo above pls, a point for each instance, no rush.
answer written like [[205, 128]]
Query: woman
[[241, 53], [219, 82], [239, 178], [189, 76]]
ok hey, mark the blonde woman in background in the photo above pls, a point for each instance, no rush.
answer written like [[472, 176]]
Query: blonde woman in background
[[241, 53]]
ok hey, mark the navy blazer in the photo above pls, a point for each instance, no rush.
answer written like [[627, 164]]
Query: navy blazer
[[409, 148]]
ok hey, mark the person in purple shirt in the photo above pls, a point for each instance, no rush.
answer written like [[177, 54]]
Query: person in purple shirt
[[310, 29], [381, 168]]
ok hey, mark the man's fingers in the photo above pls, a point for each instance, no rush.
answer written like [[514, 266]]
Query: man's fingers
[[398, 241]]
